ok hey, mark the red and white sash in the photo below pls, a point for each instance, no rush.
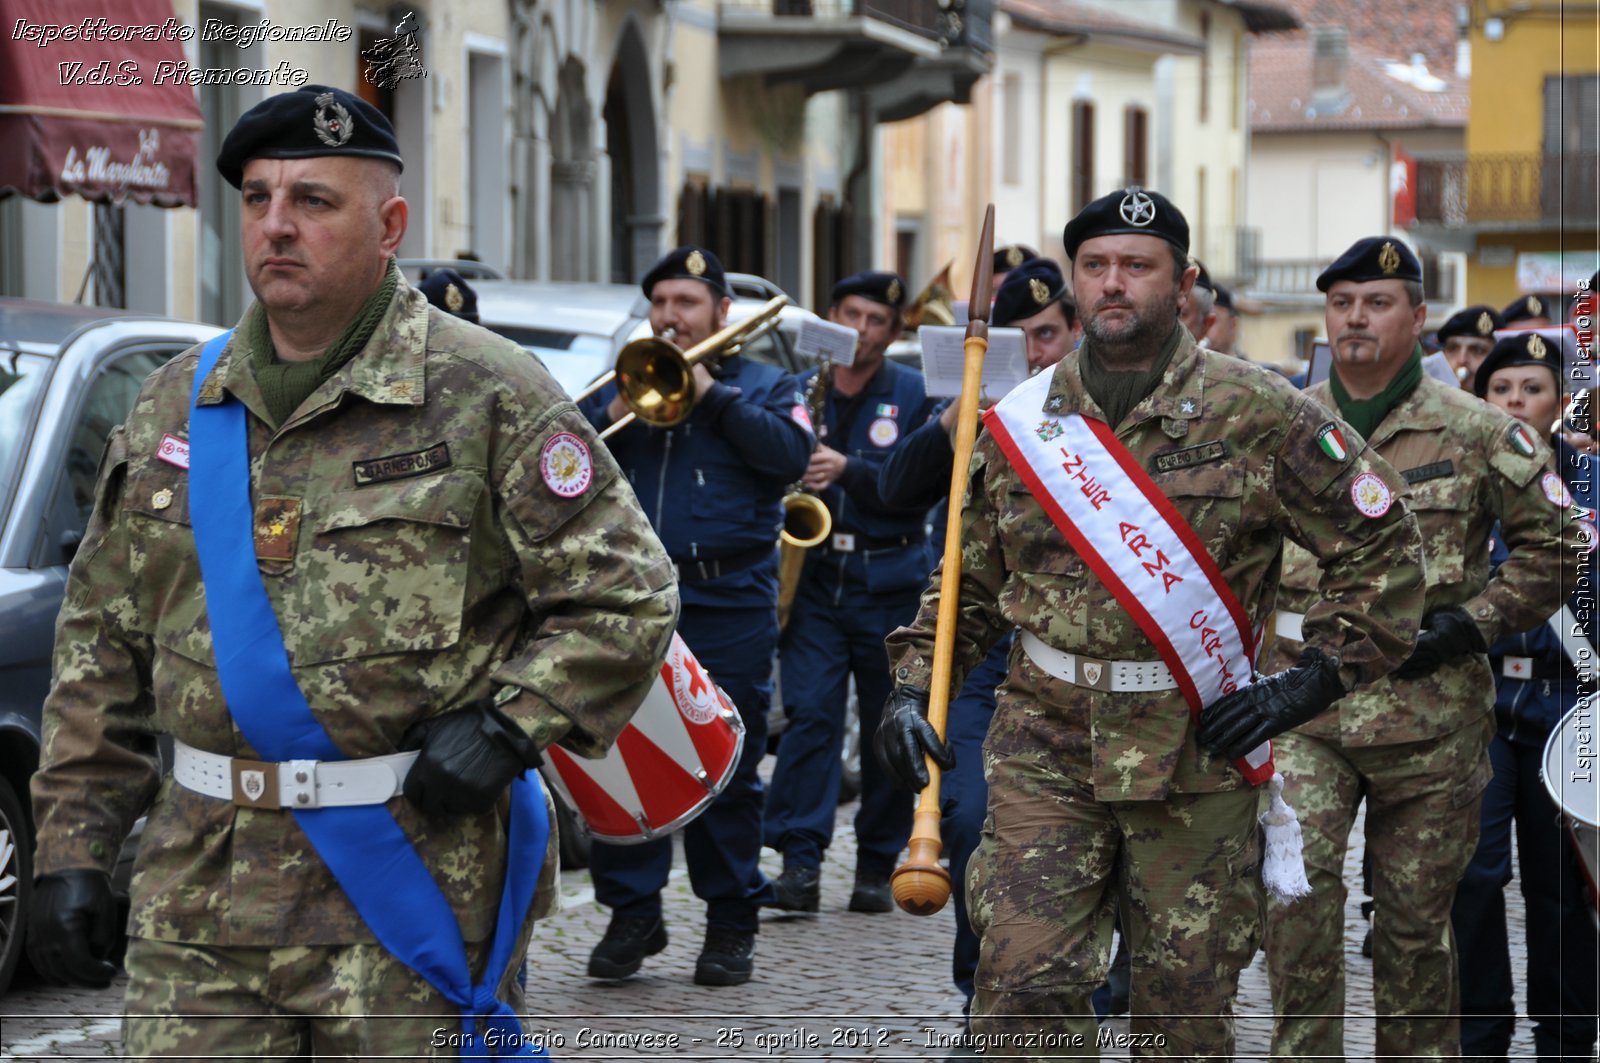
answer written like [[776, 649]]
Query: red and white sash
[[1137, 543]]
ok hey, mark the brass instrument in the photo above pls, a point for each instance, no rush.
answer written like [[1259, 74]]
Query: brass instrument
[[935, 304], [806, 520], [655, 378]]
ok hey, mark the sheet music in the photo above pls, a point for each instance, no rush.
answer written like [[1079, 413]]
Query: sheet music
[[944, 358], [820, 339]]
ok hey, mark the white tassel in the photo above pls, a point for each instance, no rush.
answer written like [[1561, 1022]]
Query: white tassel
[[1283, 868]]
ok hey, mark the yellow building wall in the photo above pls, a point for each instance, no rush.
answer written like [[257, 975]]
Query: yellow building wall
[[1508, 75]]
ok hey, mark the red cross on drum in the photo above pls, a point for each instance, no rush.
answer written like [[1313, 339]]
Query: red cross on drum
[[669, 763]]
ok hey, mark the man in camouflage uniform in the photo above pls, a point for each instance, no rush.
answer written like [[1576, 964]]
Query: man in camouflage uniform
[[456, 568], [1099, 798], [1415, 744]]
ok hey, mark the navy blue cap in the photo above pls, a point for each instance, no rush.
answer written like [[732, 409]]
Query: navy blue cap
[[1522, 348], [1129, 210], [1028, 290], [690, 263], [1012, 256], [1529, 306], [1476, 322], [308, 122], [446, 289], [885, 288], [1373, 258]]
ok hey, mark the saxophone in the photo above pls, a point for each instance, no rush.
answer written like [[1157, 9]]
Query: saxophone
[[806, 520]]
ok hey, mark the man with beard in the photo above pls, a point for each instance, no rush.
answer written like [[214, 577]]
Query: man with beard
[[1415, 745], [1126, 512]]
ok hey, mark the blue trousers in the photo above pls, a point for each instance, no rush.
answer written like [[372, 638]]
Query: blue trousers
[[1563, 996], [836, 631], [723, 844], [965, 798]]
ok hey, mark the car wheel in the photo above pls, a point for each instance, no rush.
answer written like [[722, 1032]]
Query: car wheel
[[573, 838], [16, 881]]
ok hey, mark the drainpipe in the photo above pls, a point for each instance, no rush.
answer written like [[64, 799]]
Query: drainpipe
[[858, 186]]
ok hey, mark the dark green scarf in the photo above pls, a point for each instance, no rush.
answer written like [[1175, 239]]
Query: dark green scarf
[[1365, 415], [1118, 392], [285, 385]]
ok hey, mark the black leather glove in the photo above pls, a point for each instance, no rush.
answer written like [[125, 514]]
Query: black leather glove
[[72, 928], [1446, 634], [468, 757], [1236, 723], [905, 736]]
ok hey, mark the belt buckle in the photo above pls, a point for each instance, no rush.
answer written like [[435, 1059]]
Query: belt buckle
[[255, 783], [1094, 673], [844, 542]]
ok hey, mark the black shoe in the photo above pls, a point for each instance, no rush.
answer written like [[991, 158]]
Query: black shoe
[[727, 958], [872, 893], [628, 940], [798, 889]]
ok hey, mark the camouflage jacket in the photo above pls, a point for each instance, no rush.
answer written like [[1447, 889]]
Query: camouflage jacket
[[1236, 450], [416, 559], [1465, 471]]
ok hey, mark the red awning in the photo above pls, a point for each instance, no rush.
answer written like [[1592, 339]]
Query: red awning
[[87, 107]]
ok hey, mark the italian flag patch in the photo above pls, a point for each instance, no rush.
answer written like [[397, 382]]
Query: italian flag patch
[[1331, 440], [1521, 440]]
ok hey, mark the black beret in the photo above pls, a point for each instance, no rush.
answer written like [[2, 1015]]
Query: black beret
[[689, 263], [310, 121], [1013, 255], [1529, 306], [446, 289], [1130, 210], [1203, 280], [1028, 290], [1522, 348], [1475, 322], [1224, 298], [1374, 258], [885, 288]]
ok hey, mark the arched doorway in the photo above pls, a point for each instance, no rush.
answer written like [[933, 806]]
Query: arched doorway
[[636, 218]]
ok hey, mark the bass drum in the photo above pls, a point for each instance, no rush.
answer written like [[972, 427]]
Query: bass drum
[[669, 763], [1569, 776]]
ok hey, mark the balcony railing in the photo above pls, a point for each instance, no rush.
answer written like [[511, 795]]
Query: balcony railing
[[921, 17], [1478, 189]]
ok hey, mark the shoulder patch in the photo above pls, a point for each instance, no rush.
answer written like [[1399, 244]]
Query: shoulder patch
[[1555, 490], [1371, 495], [1521, 439]]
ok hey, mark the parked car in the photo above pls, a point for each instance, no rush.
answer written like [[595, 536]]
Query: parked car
[[68, 375]]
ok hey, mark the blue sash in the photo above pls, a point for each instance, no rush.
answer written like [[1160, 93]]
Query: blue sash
[[363, 846]]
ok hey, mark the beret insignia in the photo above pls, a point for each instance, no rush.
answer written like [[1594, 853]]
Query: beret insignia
[[1388, 258], [1013, 256], [453, 299], [1535, 307], [1485, 324], [1137, 208], [695, 263], [1039, 290], [332, 121], [1536, 347], [894, 291]]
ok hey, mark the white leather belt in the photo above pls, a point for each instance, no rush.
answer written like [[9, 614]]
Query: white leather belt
[[1289, 625], [291, 783], [1118, 677]]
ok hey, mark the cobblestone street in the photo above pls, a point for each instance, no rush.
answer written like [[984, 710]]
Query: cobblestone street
[[838, 985]]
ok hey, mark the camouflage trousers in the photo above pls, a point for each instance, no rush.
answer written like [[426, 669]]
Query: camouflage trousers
[[1421, 828], [1053, 866], [345, 1002]]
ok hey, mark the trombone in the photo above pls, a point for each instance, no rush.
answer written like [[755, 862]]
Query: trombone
[[655, 377]]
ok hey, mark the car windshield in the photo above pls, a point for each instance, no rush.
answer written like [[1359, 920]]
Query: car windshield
[[572, 358], [22, 380]]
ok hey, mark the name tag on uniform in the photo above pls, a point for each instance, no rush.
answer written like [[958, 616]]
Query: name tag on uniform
[[1189, 457], [400, 466], [1431, 471]]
